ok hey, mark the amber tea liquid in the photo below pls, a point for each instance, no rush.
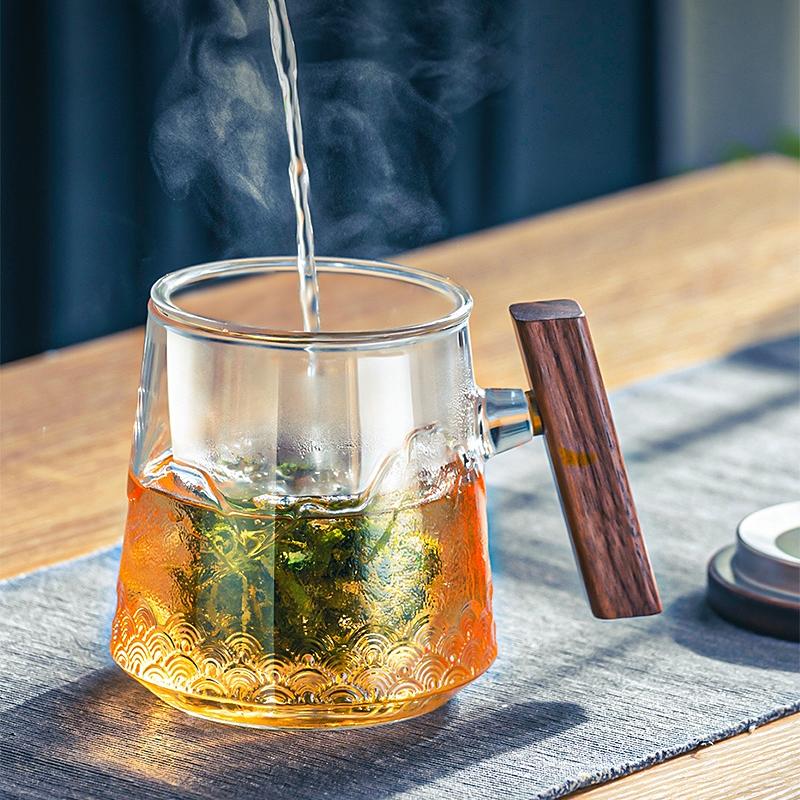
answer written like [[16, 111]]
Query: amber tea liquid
[[277, 615]]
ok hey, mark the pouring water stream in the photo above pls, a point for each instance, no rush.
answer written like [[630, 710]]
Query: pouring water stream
[[285, 57]]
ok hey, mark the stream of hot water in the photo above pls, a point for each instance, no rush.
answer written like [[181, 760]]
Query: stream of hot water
[[283, 52]]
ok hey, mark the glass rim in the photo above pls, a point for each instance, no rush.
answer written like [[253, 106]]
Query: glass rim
[[163, 290]]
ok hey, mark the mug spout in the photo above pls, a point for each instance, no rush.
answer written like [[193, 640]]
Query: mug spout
[[507, 418]]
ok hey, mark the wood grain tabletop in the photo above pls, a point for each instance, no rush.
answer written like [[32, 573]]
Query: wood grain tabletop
[[669, 274]]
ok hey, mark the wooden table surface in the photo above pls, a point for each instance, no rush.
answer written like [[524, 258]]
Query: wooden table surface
[[669, 274]]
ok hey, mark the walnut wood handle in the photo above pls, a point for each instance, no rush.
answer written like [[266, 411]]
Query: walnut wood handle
[[586, 458]]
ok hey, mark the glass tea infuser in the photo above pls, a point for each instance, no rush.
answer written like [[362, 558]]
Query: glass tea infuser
[[306, 542]]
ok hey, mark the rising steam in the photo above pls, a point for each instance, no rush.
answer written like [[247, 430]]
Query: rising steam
[[380, 81]]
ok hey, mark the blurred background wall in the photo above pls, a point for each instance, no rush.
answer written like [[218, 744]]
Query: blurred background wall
[[598, 97]]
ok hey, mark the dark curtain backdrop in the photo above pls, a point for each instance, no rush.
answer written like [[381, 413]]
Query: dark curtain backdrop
[[86, 227]]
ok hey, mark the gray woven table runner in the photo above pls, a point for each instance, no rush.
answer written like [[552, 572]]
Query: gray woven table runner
[[570, 701]]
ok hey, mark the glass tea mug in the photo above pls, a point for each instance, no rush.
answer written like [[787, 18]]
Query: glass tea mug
[[306, 542]]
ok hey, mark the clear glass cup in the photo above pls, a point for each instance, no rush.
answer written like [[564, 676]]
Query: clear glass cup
[[306, 542]]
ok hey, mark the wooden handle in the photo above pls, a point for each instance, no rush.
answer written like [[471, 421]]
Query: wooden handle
[[586, 458]]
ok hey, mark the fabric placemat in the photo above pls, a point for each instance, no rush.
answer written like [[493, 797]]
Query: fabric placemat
[[571, 700]]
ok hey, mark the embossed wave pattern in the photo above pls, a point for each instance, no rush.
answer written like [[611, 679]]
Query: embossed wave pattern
[[375, 664]]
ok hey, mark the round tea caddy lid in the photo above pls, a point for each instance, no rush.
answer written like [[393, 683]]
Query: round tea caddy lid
[[755, 583]]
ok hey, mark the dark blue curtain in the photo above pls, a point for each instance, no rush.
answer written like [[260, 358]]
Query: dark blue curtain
[[87, 227]]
